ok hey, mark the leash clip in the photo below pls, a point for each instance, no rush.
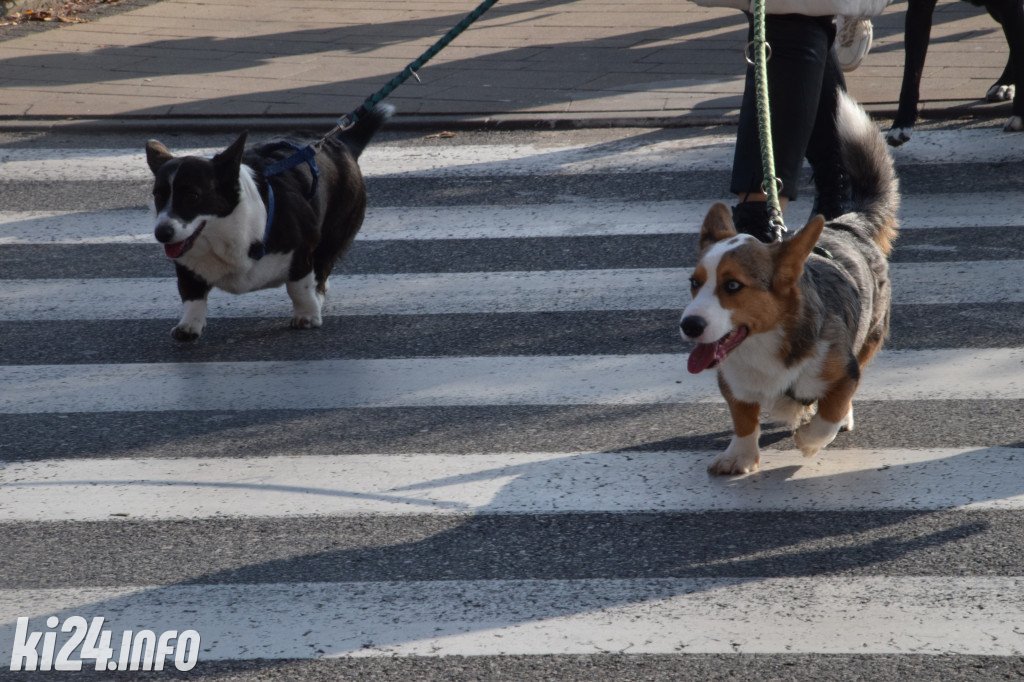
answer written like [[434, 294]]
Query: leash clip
[[341, 125], [345, 123]]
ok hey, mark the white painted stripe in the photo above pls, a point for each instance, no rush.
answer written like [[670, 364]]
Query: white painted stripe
[[820, 615], [961, 282], [488, 292], [415, 294], [655, 153], [947, 374], [591, 218], [506, 483], [50, 165], [350, 383], [128, 226], [969, 209], [422, 222], [619, 156], [471, 292]]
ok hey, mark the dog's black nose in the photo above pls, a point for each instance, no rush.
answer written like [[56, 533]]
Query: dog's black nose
[[693, 326], [164, 233]]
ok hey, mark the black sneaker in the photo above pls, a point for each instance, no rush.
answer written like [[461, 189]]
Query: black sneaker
[[832, 191], [751, 217]]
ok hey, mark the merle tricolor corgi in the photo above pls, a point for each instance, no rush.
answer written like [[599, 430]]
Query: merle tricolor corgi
[[790, 326], [235, 223]]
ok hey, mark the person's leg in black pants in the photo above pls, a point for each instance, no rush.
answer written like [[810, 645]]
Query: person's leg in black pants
[[802, 77], [831, 182]]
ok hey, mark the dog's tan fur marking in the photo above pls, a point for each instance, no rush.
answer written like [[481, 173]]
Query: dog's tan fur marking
[[835, 404], [836, 367], [884, 237], [717, 226], [746, 417], [755, 305], [700, 274], [873, 342], [835, 372], [791, 254]]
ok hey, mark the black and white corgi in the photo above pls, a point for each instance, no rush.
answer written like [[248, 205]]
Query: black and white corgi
[[239, 223], [791, 325]]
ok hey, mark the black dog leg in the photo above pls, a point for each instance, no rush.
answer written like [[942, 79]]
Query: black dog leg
[[917, 31], [193, 290], [1010, 14], [1002, 90]]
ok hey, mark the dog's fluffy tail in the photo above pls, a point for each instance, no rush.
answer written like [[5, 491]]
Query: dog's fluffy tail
[[358, 136], [872, 175]]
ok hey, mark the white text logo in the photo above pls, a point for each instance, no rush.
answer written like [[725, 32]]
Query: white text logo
[[142, 650]]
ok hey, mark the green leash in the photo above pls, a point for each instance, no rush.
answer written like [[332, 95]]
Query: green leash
[[771, 184]]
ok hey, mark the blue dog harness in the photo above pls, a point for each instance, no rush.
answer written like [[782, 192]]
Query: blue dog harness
[[302, 155]]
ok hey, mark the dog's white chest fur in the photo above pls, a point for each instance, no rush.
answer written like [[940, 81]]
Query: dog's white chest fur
[[755, 373], [270, 271], [221, 255]]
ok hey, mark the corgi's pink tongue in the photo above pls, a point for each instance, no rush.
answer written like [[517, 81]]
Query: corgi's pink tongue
[[701, 357], [174, 250]]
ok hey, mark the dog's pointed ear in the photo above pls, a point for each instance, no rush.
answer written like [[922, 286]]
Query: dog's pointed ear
[[717, 226], [791, 254], [231, 158], [157, 155]]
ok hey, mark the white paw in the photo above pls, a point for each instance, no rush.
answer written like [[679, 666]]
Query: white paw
[[1014, 124], [1000, 93], [186, 332], [306, 322], [306, 302], [733, 466], [192, 322], [813, 436], [741, 457], [791, 413], [847, 423], [897, 136]]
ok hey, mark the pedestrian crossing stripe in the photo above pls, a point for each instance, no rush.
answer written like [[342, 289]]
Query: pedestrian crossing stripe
[[859, 615], [471, 292], [583, 219], [943, 374], [664, 151], [665, 482]]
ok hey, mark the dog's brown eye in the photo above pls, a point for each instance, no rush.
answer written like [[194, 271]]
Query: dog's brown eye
[[732, 286], [694, 283]]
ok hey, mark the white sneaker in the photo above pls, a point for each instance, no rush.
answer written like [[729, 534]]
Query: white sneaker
[[853, 40]]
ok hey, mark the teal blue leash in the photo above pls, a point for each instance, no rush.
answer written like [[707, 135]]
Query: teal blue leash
[[349, 120], [307, 154]]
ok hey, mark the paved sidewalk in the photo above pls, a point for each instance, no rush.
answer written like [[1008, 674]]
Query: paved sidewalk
[[557, 62]]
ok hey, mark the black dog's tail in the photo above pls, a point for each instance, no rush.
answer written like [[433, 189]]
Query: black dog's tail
[[872, 175], [358, 136]]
